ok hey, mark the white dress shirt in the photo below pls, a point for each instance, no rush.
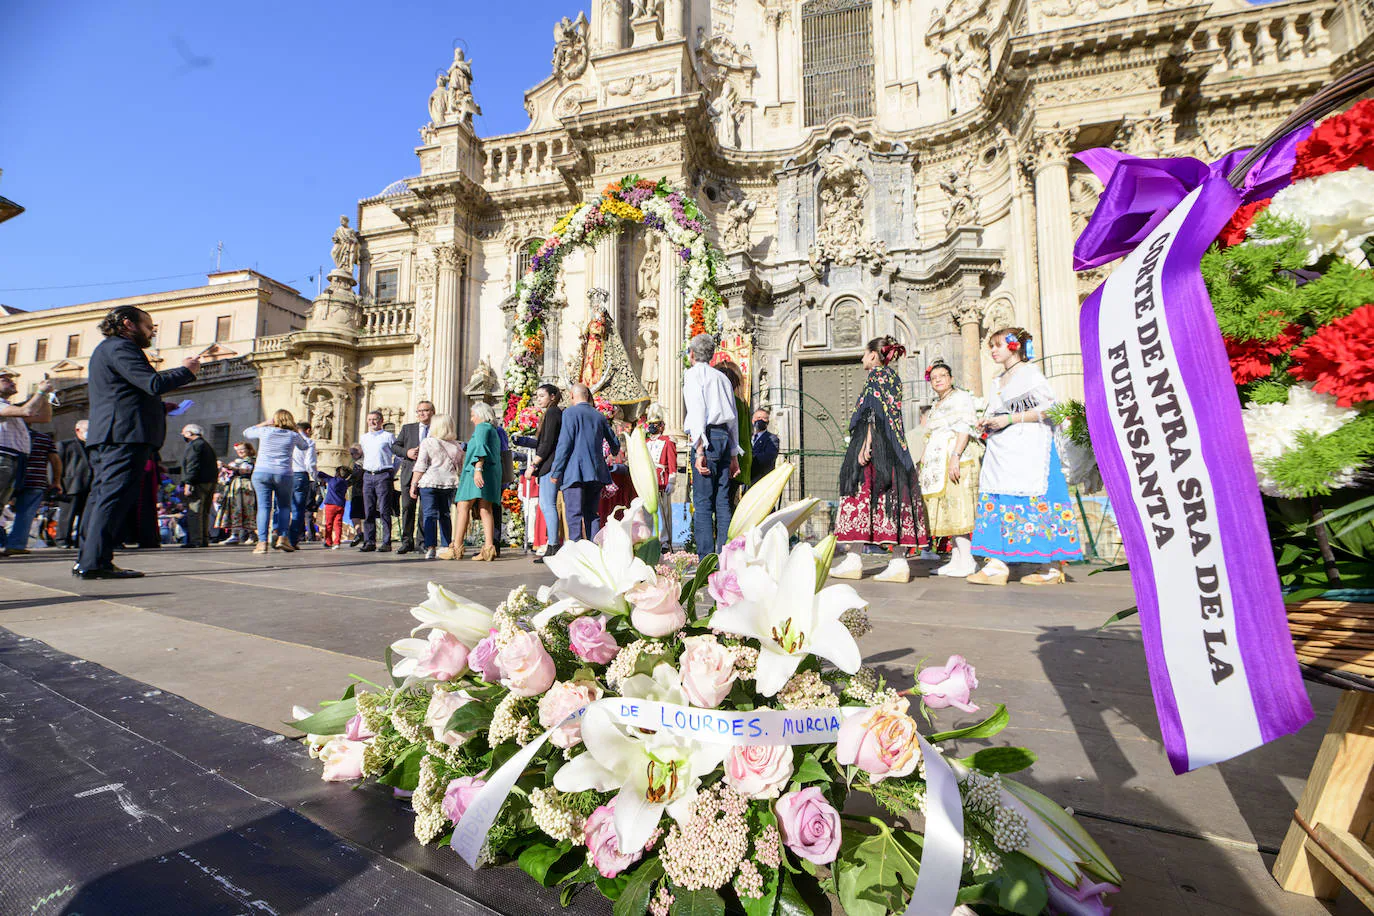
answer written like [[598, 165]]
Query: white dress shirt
[[710, 402], [377, 454], [304, 461]]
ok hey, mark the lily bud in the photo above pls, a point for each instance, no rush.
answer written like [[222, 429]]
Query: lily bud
[[792, 516], [759, 500], [642, 470], [825, 552]]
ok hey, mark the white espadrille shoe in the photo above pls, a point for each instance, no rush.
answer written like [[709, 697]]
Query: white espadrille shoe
[[851, 567], [898, 570]]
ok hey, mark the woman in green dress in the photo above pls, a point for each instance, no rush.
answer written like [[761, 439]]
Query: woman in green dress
[[479, 489]]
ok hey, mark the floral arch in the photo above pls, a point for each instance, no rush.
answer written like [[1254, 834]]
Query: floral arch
[[625, 204]]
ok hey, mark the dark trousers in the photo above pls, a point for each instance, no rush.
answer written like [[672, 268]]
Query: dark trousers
[[711, 494], [117, 476], [72, 508], [200, 509], [301, 488], [377, 492], [580, 504], [436, 504], [412, 515]]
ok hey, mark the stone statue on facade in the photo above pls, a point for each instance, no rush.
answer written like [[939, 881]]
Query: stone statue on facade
[[643, 9], [843, 234], [483, 384], [725, 113], [735, 235], [438, 101], [649, 269], [570, 47], [970, 61], [461, 105], [322, 418], [648, 358], [963, 204], [345, 248]]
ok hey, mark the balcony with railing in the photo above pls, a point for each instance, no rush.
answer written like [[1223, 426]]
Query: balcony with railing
[[274, 344], [521, 160], [388, 319], [1252, 40]]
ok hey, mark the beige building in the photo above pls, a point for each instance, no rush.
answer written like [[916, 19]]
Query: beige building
[[221, 322], [867, 166]]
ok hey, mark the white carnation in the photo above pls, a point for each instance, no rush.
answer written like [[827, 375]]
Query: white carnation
[[1273, 429], [1337, 209]]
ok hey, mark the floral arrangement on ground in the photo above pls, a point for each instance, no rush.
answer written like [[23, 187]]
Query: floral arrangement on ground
[[620, 731], [631, 201]]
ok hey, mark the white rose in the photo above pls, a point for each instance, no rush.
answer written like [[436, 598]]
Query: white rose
[[708, 671], [1337, 209], [758, 770]]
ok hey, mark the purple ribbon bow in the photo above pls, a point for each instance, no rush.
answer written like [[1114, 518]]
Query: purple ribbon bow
[[1139, 193]]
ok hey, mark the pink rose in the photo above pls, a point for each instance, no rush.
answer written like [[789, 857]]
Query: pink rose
[[732, 556], [758, 770], [459, 795], [526, 667], [708, 671], [810, 825], [656, 611], [881, 741], [1083, 900], [948, 686], [355, 730], [442, 705], [724, 588], [482, 658], [562, 700], [443, 658], [343, 759], [590, 641], [603, 846]]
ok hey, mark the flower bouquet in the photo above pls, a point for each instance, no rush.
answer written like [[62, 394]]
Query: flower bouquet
[[680, 744]]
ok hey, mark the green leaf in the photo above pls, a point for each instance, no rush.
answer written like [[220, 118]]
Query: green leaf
[[612, 888], [650, 551], [1023, 888], [792, 903], [986, 892], [701, 902], [332, 720], [634, 899], [470, 717], [889, 870], [501, 753], [1001, 759], [538, 858], [348, 694], [990, 726], [809, 770], [1119, 616], [389, 656], [405, 772], [704, 569], [765, 905]]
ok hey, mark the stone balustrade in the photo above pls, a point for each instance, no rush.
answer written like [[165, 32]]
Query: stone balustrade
[[1275, 33], [275, 343], [522, 159], [220, 370], [389, 319]]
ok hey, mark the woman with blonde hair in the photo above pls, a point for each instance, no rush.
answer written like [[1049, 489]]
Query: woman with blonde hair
[[949, 469], [479, 486], [1024, 513], [438, 467], [272, 479]]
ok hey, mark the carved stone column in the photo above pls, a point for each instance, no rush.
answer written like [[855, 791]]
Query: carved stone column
[[672, 20], [968, 315], [443, 348], [672, 327], [1063, 362], [607, 273], [612, 22]]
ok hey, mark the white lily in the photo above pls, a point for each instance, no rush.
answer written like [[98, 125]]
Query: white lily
[[665, 686], [597, 576], [642, 470], [653, 773], [825, 552], [1058, 843], [314, 742], [467, 620], [790, 619], [792, 516], [757, 501]]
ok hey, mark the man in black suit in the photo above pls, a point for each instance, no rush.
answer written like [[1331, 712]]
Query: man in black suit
[[407, 448], [128, 422], [199, 472], [76, 483]]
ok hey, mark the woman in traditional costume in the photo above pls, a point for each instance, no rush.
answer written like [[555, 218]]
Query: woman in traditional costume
[[238, 506], [879, 497], [1024, 513], [949, 469], [663, 451]]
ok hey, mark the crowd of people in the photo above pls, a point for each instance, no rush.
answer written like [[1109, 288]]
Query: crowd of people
[[986, 485]]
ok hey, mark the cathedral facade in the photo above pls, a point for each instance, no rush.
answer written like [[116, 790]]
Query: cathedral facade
[[868, 167]]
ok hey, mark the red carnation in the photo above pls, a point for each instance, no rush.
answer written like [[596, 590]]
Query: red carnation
[[1252, 359], [1339, 358], [1338, 143], [1234, 231]]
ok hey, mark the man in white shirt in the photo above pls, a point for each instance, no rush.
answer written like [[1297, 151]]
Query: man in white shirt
[[303, 467], [712, 428], [379, 467]]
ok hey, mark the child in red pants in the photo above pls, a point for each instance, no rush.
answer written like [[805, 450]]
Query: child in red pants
[[335, 496]]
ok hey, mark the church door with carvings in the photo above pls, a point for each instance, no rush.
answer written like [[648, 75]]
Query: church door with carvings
[[828, 391]]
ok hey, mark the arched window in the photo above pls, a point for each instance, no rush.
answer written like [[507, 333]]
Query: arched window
[[837, 59], [523, 254]]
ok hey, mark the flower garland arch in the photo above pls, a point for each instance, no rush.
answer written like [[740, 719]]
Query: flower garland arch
[[628, 203]]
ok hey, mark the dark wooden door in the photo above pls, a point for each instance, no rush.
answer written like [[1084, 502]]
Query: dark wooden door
[[829, 389]]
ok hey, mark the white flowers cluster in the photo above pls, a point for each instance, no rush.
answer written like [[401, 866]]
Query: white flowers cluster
[[863, 689], [1337, 210], [428, 802], [707, 851], [1010, 829], [982, 792], [1272, 431], [806, 690], [556, 817], [623, 665], [980, 856], [855, 620], [510, 720]]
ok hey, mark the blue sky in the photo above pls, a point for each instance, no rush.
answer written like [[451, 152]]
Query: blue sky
[[139, 135]]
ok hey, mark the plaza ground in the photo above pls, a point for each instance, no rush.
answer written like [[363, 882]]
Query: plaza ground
[[246, 637]]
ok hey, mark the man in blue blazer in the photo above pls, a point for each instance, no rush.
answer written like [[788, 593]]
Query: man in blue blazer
[[127, 425], [579, 467]]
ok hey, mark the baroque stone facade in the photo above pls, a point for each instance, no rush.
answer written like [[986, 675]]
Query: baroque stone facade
[[869, 167]]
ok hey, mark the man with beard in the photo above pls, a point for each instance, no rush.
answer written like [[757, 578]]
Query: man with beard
[[128, 422]]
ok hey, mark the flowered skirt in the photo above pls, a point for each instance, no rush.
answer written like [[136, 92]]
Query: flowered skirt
[[1029, 529], [954, 511], [862, 520], [238, 508]]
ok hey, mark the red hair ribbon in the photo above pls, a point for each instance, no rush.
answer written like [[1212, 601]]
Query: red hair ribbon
[[891, 351]]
